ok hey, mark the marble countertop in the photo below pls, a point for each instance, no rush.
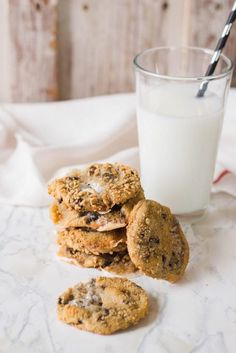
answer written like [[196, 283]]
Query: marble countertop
[[197, 315]]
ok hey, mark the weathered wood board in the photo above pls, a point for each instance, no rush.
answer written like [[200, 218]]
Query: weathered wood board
[[32, 64], [97, 42], [98, 39]]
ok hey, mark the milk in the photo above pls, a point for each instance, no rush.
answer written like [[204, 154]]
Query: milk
[[178, 137]]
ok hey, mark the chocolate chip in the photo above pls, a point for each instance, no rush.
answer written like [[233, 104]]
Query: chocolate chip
[[106, 312], [82, 214], [100, 318], [72, 251], [78, 201], [163, 257], [91, 170], [103, 315], [60, 301], [79, 322], [116, 208], [108, 176], [60, 200], [164, 215], [71, 178], [108, 259], [154, 240]]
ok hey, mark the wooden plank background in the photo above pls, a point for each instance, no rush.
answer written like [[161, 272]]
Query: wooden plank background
[[97, 42]]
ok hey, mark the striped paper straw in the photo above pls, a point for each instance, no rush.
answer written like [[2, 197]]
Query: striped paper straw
[[219, 47]]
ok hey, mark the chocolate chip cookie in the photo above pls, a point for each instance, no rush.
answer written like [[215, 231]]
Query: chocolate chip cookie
[[156, 242], [97, 188], [103, 305], [65, 217], [118, 216], [93, 242], [118, 262]]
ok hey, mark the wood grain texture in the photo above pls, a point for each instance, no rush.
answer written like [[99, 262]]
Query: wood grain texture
[[98, 40], [32, 47], [208, 20], [4, 67]]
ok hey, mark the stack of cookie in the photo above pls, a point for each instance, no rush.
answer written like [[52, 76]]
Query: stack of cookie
[[105, 222], [91, 208]]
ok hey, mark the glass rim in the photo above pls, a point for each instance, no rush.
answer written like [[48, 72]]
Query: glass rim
[[228, 61]]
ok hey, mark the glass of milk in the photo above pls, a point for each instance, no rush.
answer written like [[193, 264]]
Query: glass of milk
[[178, 131]]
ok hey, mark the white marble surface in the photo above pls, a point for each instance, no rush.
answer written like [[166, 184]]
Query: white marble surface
[[196, 315]]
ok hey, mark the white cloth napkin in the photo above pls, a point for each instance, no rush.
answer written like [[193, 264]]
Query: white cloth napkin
[[39, 142]]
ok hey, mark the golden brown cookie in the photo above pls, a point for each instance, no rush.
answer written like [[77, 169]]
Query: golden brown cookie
[[65, 217], [97, 188], [156, 242], [103, 305], [93, 242], [118, 263], [118, 216]]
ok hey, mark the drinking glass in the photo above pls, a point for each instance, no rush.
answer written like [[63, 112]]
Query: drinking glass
[[178, 131]]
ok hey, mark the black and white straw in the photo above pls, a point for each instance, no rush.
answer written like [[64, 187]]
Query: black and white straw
[[219, 47]]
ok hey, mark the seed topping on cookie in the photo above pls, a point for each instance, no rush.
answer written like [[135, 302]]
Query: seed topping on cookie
[[96, 188], [103, 305], [156, 242]]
